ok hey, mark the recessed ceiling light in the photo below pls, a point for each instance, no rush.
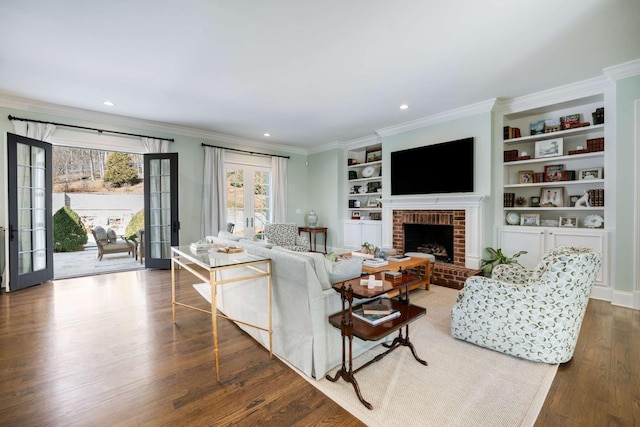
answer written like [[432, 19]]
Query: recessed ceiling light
[[267, 134], [108, 103], [404, 107]]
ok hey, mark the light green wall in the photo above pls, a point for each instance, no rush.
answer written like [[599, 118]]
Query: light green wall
[[627, 91], [326, 192], [190, 169]]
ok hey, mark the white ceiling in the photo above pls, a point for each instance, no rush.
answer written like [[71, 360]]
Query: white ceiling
[[308, 72]]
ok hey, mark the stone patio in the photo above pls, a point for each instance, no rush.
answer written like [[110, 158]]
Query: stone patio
[[86, 263]]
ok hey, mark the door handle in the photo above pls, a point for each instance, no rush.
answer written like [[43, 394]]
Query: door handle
[[176, 226], [11, 231]]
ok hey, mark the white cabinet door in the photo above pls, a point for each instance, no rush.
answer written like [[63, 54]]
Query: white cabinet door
[[590, 238], [538, 240], [358, 232], [530, 239], [352, 234], [372, 232]]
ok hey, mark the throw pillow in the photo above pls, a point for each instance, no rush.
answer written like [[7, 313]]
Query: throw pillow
[[111, 235], [344, 270]]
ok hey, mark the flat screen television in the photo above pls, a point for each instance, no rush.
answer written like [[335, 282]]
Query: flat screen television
[[446, 167]]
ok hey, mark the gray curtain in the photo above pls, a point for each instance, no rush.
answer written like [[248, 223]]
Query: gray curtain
[[214, 197], [279, 189]]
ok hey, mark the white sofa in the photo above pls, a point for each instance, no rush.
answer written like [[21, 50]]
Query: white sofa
[[302, 299]]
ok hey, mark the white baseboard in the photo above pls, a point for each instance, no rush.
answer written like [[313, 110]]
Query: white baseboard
[[626, 299]]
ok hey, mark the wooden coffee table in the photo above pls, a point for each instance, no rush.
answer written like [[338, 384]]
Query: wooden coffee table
[[350, 326], [413, 263]]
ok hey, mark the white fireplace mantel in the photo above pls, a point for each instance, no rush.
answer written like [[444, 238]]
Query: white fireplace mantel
[[471, 204]]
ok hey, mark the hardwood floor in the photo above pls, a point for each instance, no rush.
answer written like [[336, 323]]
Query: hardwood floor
[[102, 350]]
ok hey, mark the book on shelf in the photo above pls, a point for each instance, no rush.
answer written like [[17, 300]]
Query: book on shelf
[[375, 319], [380, 306]]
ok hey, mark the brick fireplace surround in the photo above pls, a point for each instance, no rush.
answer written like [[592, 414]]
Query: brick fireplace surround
[[464, 213], [445, 274]]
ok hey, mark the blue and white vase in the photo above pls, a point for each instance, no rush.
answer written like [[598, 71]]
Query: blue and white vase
[[312, 218]]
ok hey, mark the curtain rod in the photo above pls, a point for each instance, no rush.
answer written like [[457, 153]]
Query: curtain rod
[[88, 128], [245, 151]]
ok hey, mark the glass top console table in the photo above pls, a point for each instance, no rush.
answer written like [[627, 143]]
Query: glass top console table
[[208, 266]]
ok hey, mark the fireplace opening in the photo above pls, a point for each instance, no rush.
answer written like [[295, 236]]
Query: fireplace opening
[[433, 239]]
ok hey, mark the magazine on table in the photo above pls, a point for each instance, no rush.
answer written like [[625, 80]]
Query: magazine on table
[[375, 319]]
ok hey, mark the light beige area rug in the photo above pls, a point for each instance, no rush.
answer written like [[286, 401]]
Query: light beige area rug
[[463, 385]]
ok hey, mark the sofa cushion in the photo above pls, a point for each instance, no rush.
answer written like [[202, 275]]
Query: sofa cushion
[[342, 270], [246, 243], [101, 235], [223, 234], [112, 236]]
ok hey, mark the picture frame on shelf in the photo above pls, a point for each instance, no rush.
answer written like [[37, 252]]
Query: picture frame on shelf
[[534, 202], [353, 174], [373, 155], [375, 216], [525, 177], [372, 202], [590, 173], [529, 219], [553, 173], [536, 127], [568, 221], [552, 197], [355, 214], [549, 148]]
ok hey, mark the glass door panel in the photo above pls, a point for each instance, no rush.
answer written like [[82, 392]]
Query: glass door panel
[[248, 199], [30, 216], [161, 208]]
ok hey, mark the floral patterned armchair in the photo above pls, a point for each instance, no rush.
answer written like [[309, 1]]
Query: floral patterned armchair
[[286, 236], [534, 315]]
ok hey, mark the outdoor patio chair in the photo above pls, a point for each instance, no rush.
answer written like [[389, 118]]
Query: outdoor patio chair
[[108, 242]]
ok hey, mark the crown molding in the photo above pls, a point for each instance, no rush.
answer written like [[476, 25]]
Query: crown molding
[[31, 105], [365, 141], [622, 71], [458, 113], [582, 89], [326, 147]]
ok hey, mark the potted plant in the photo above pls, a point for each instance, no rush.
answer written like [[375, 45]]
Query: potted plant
[[497, 258], [368, 248]]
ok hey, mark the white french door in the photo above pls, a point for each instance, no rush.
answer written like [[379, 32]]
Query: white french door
[[248, 198]]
